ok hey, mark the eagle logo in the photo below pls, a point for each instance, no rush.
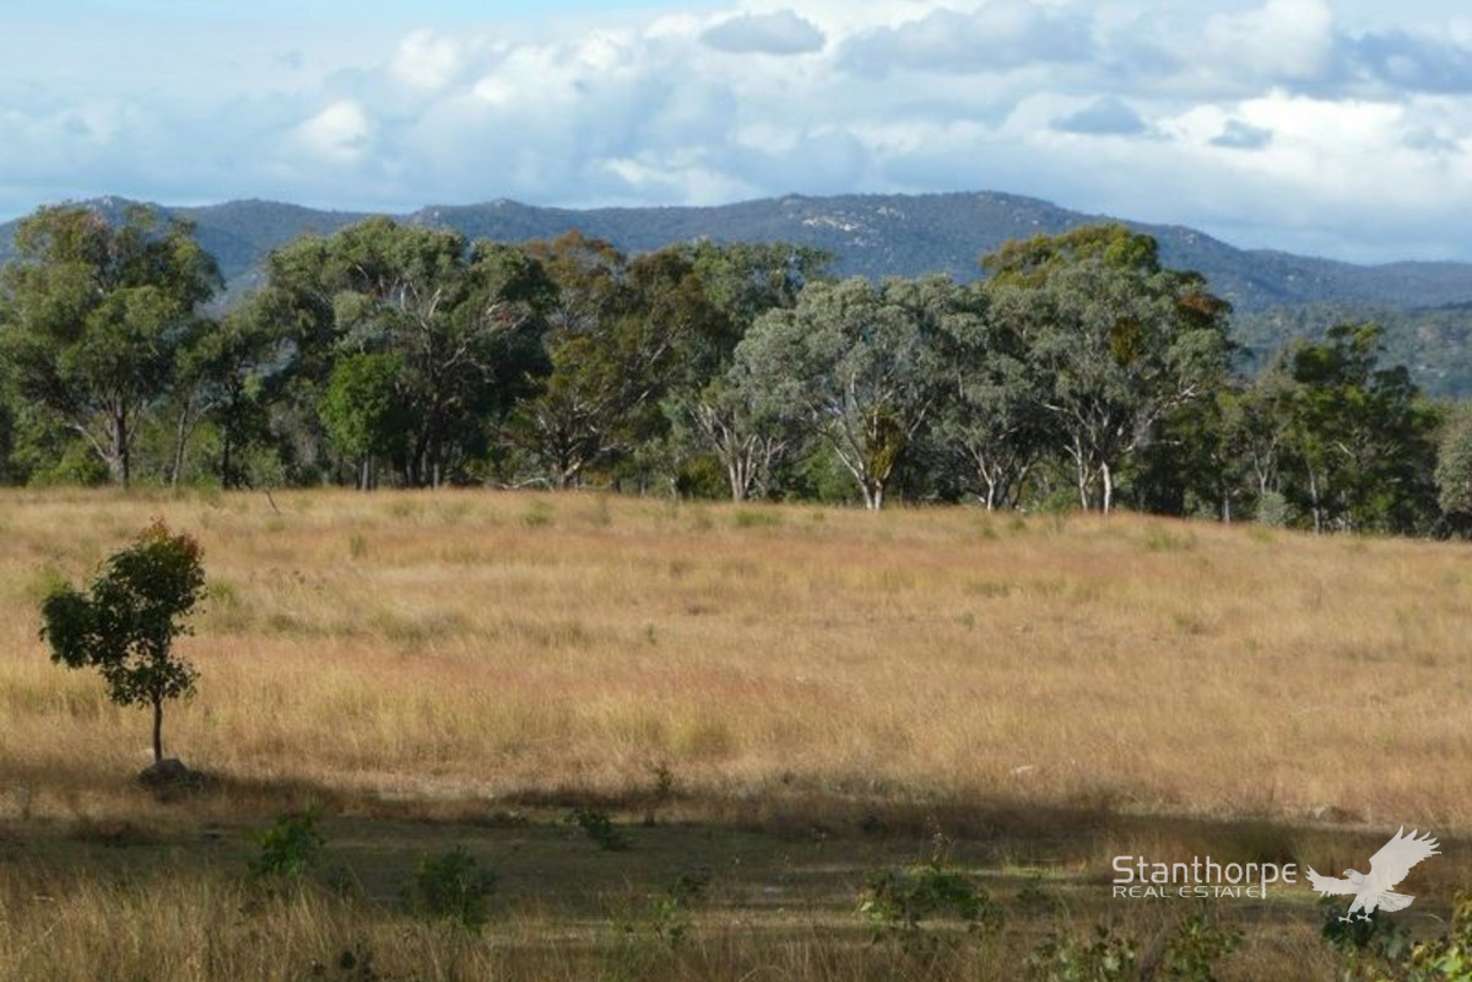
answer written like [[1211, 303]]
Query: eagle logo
[[1373, 891]]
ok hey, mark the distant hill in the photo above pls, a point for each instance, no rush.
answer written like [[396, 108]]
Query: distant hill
[[894, 235]]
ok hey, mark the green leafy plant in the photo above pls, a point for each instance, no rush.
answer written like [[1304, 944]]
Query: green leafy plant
[[1362, 942], [289, 849], [597, 826], [667, 920], [125, 623], [452, 886], [1197, 945], [1106, 957], [898, 903], [1444, 959]]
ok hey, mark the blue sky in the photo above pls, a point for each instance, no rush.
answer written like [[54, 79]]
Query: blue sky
[[1338, 127]]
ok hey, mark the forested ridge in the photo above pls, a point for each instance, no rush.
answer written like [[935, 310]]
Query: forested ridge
[[1081, 371], [1276, 296]]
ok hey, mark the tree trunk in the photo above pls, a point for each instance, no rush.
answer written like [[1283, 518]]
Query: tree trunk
[[181, 436], [737, 481], [158, 730], [873, 494], [1313, 490], [1108, 477], [120, 465]]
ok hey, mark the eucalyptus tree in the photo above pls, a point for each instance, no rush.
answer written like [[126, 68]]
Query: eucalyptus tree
[[856, 366], [1454, 468], [1121, 341], [991, 419], [1361, 453], [229, 375], [92, 318], [622, 334], [463, 320], [715, 404], [365, 412]]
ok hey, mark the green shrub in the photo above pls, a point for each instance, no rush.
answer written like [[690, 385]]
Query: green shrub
[[289, 849], [1273, 510], [452, 887], [597, 826], [1197, 945], [1108, 957], [667, 920], [898, 903]]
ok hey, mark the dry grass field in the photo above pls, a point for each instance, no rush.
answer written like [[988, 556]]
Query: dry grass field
[[823, 690]]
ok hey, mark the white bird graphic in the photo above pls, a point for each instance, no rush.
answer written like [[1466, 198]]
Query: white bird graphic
[[1373, 890]]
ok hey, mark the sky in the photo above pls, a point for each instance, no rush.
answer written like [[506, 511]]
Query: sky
[[1333, 127]]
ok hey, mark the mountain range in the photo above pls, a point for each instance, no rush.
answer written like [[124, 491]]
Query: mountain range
[[903, 235]]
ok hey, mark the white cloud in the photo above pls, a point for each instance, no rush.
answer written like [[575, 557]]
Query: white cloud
[[426, 61], [997, 36], [338, 134], [1273, 119], [1283, 39]]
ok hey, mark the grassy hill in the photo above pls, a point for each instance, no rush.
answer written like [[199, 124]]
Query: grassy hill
[[784, 699]]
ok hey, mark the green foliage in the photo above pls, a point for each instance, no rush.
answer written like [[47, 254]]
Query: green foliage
[[599, 828], [289, 849], [1273, 510], [1447, 958], [1083, 370], [1196, 946], [667, 919], [1454, 467], [452, 886], [1358, 436], [1120, 342], [1105, 957], [362, 409], [94, 316], [125, 623], [898, 904], [855, 367]]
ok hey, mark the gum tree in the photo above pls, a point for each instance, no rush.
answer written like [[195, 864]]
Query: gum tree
[[1122, 341], [857, 367], [125, 622], [92, 316]]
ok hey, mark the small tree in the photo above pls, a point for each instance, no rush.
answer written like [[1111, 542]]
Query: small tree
[[125, 624]]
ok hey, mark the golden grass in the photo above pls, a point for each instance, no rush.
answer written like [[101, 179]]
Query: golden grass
[[435, 656], [451, 646]]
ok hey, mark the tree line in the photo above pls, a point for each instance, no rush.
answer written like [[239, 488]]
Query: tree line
[[1079, 373]]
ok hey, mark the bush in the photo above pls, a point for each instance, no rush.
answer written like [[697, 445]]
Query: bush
[[1197, 945], [596, 825], [898, 903], [452, 887], [289, 849], [1109, 957], [1273, 510]]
